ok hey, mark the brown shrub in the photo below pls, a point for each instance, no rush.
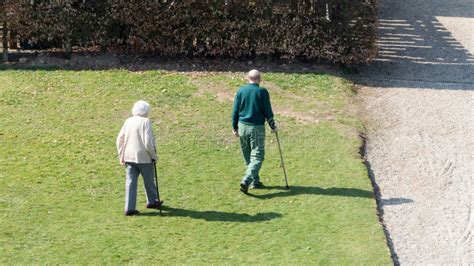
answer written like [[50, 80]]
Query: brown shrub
[[342, 31]]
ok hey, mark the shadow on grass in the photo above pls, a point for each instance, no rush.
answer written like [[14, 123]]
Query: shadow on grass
[[299, 190], [215, 216]]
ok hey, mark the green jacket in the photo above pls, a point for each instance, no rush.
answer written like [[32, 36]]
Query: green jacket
[[252, 106]]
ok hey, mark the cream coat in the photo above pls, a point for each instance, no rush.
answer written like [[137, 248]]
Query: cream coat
[[135, 142]]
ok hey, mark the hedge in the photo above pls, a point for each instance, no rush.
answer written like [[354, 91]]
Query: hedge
[[342, 31]]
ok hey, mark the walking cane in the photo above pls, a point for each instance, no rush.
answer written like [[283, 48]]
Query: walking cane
[[157, 191], [281, 158]]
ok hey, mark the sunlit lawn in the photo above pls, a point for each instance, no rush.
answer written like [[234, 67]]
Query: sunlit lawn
[[62, 189]]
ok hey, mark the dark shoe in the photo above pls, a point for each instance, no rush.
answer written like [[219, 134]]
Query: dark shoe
[[258, 185], [244, 188], [155, 205], [131, 212]]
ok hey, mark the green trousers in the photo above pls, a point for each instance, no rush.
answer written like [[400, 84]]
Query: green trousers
[[252, 143]]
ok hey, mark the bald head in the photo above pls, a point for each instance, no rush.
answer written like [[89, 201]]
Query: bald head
[[253, 76]]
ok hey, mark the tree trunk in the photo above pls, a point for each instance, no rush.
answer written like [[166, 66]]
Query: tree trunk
[[13, 40], [5, 40], [68, 48], [68, 40]]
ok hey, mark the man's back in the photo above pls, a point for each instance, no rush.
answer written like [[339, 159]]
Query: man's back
[[251, 106]]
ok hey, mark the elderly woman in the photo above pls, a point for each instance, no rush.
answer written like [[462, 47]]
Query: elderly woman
[[137, 152]]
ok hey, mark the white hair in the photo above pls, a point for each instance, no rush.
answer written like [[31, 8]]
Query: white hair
[[141, 108], [253, 75]]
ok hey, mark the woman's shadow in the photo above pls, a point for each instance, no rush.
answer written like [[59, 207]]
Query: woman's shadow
[[215, 216]]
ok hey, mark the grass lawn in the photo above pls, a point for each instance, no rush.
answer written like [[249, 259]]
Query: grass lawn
[[62, 189]]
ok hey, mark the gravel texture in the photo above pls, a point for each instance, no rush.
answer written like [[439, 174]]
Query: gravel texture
[[419, 105]]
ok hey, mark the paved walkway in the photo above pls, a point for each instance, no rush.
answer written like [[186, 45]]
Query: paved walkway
[[419, 100]]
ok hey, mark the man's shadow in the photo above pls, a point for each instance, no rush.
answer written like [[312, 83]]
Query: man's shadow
[[299, 190], [215, 216], [333, 191]]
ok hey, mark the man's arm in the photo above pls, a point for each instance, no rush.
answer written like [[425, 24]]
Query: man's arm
[[267, 109], [235, 111]]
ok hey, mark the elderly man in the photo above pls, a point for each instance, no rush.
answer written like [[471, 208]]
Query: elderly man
[[137, 152], [251, 108]]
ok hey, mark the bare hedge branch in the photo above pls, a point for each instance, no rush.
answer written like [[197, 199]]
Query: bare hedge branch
[[342, 31]]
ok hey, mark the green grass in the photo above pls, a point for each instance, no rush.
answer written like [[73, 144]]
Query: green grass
[[62, 189]]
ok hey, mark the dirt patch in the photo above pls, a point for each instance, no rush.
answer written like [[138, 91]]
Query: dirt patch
[[311, 116], [223, 95], [302, 117], [275, 88]]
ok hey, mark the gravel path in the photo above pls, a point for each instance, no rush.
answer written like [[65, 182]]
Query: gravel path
[[419, 105]]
